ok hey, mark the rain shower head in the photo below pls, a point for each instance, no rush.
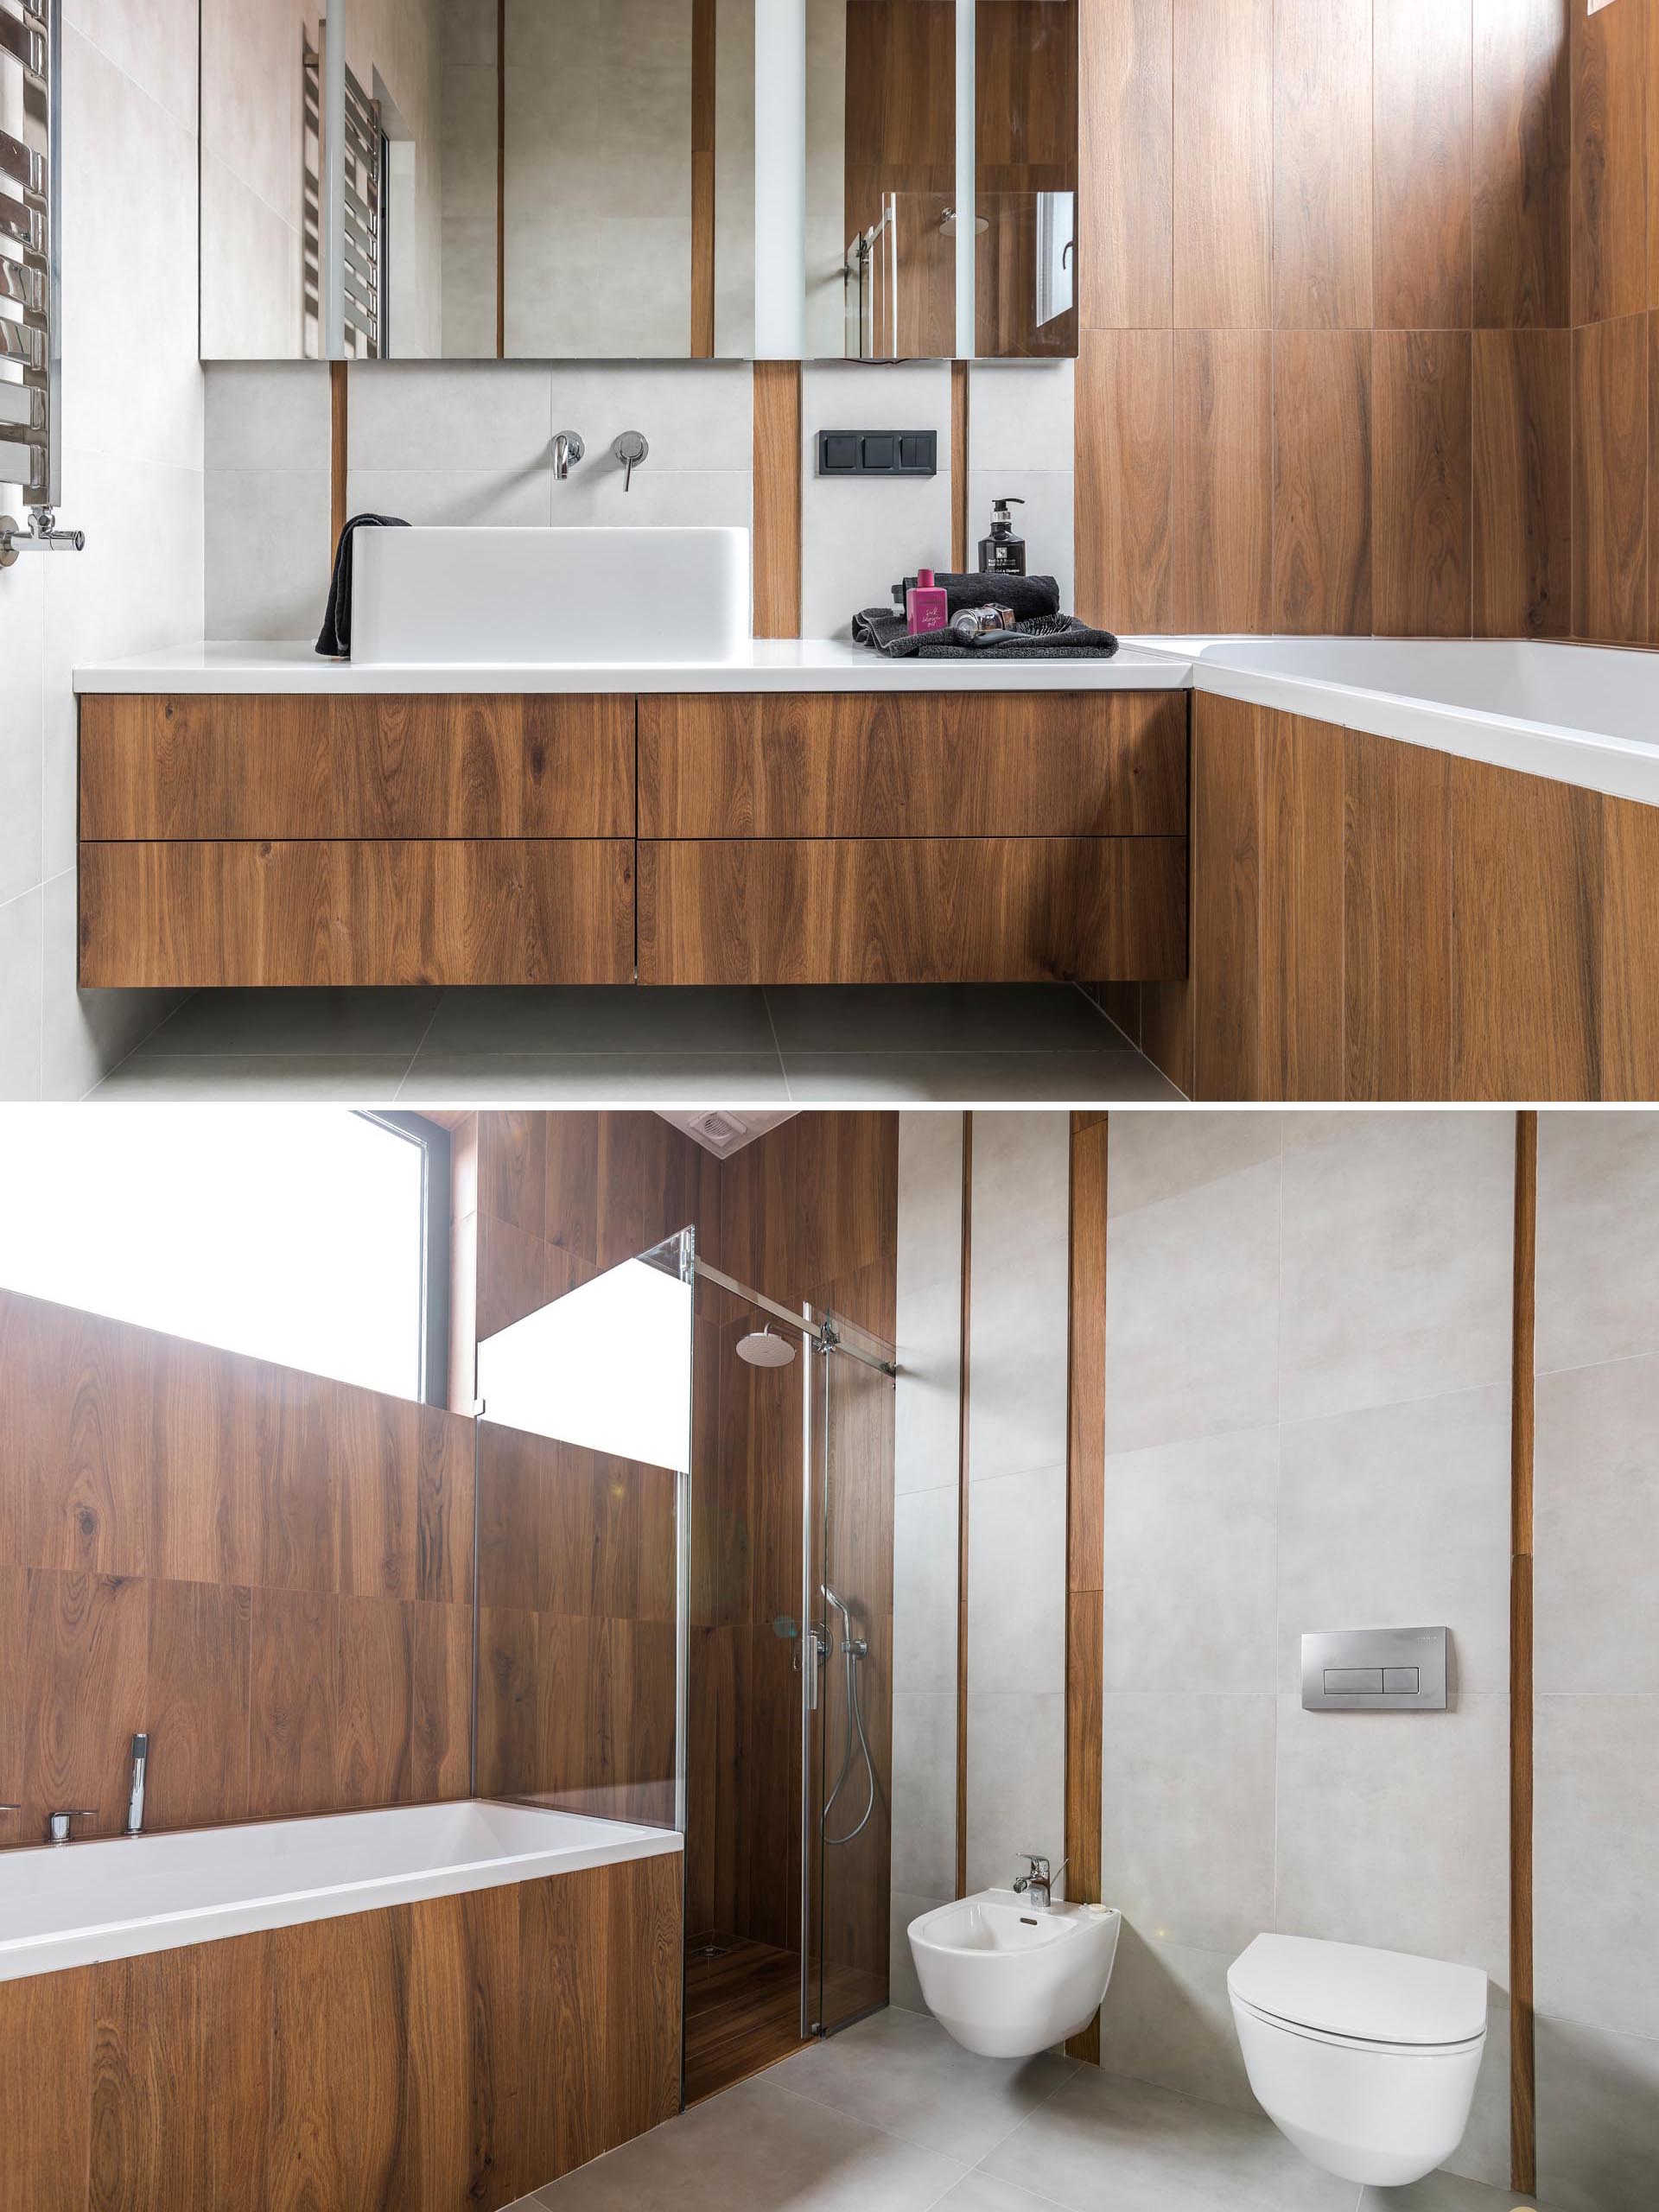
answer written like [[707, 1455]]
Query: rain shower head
[[761, 1349]]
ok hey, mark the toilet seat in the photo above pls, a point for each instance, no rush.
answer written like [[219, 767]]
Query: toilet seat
[[1350, 1994], [1356, 2042]]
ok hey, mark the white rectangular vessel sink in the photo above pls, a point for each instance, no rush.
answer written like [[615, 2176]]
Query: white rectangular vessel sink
[[533, 598]]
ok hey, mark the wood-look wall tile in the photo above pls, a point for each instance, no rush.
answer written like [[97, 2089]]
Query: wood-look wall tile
[[46, 2026], [444, 1508], [572, 1224], [278, 1423], [1522, 166], [14, 1702], [1223, 479], [15, 1316], [1123, 402], [1227, 834], [180, 2066], [204, 1506], [1322, 558], [1610, 474], [515, 1274], [440, 1699], [85, 1644], [1322, 164], [1653, 480], [1302, 908], [648, 1185], [89, 1463], [338, 2069], [512, 1168], [1125, 159], [1422, 483], [1223, 164], [1396, 920], [1628, 951], [373, 1444], [460, 1976], [848, 1202], [196, 1706], [1424, 122], [373, 1694], [292, 1767], [1609, 185], [511, 1703], [1522, 434]]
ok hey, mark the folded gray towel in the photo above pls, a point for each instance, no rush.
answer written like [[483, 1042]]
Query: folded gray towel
[[335, 643], [1046, 637]]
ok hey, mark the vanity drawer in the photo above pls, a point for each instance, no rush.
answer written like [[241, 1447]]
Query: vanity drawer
[[893, 764], [293, 766], [321, 911], [895, 910]]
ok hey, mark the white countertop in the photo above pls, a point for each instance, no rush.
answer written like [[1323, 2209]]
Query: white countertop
[[768, 665]]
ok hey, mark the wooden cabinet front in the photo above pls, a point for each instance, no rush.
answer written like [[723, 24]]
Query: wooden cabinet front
[[450, 2055]]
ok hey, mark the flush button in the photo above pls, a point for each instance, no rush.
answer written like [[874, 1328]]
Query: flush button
[[1400, 1681], [1353, 1682]]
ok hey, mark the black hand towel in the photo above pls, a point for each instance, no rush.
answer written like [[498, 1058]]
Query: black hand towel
[[1026, 598], [335, 643], [1044, 636]]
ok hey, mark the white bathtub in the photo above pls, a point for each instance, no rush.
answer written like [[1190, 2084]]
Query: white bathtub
[[116, 1899], [1585, 714]]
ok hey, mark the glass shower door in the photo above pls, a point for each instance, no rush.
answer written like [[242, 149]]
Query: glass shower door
[[847, 1728]]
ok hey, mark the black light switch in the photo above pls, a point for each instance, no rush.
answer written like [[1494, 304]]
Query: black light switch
[[878, 452]]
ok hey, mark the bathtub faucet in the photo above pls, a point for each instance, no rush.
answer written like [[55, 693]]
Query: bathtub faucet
[[136, 1795]]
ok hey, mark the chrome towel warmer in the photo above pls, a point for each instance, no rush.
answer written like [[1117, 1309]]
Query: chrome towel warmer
[[31, 41]]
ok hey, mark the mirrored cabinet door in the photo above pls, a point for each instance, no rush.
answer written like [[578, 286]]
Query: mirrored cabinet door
[[387, 180]]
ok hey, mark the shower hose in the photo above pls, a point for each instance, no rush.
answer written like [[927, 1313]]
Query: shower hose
[[854, 1722]]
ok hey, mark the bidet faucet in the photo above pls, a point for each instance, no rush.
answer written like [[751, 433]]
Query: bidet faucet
[[1037, 1883], [567, 448]]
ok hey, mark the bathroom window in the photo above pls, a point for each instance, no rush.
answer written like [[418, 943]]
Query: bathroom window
[[308, 1236]]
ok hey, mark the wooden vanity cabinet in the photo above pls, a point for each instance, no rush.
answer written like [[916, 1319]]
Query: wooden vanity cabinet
[[710, 838]]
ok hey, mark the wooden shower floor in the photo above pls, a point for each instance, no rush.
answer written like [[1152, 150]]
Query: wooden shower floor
[[743, 2009], [742, 2012]]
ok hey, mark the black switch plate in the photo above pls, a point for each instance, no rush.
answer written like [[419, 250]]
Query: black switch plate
[[878, 452]]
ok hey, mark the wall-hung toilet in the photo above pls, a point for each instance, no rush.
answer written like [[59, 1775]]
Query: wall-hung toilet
[[1366, 2060]]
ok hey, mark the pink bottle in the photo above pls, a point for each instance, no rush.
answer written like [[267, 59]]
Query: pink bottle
[[925, 605]]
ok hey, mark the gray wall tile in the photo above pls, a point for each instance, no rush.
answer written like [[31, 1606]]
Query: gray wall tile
[[1596, 1851], [1596, 1529], [1598, 2118]]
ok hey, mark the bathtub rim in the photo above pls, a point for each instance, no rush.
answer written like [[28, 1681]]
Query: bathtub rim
[[99, 1942]]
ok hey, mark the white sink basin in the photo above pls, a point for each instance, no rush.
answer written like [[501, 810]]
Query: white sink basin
[[1007, 1979], [426, 598]]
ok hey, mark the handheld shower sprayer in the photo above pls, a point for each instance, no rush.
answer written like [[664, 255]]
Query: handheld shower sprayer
[[855, 1651]]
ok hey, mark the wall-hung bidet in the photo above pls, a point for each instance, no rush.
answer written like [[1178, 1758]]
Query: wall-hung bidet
[[1366, 2060], [1008, 1977]]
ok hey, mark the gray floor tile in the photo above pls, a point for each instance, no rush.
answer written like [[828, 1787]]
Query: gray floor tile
[[367, 1079], [1443, 2192], [1102, 2144], [601, 1018], [761, 2148], [982, 2192], [1044, 1078], [938, 1018], [616, 1078], [295, 1021], [902, 2072]]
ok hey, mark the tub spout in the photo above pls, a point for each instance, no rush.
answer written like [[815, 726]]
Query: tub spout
[[136, 1795]]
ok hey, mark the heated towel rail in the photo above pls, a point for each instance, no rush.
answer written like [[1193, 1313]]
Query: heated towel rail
[[31, 38]]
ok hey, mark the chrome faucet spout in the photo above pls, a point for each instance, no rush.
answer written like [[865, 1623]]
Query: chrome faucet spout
[[567, 448], [136, 1795]]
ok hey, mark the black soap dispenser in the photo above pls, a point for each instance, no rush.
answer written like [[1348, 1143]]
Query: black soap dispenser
[[1002, 554]]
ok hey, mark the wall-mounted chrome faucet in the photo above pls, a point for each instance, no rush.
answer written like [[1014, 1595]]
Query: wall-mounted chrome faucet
[[57, 1824], [630, 449], [135, 1794], [567, 448]]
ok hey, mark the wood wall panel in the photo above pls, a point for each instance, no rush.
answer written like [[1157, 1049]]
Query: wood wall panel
[[1396, 920], [1423, 101], [1422, 483], [1125, 204], [1085, 1541], [1322, 481], [912, 910], [1523, 164], [1222, 477], [778, 459], [1124, 429], [1301, 932], [44, 2116], [1322, 165], [294, 1631], [1227, 853], [156, 767], [1610, 458], [1610, 123], [941, 765], [205, 916], [1522, 438], [1223, 164]]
